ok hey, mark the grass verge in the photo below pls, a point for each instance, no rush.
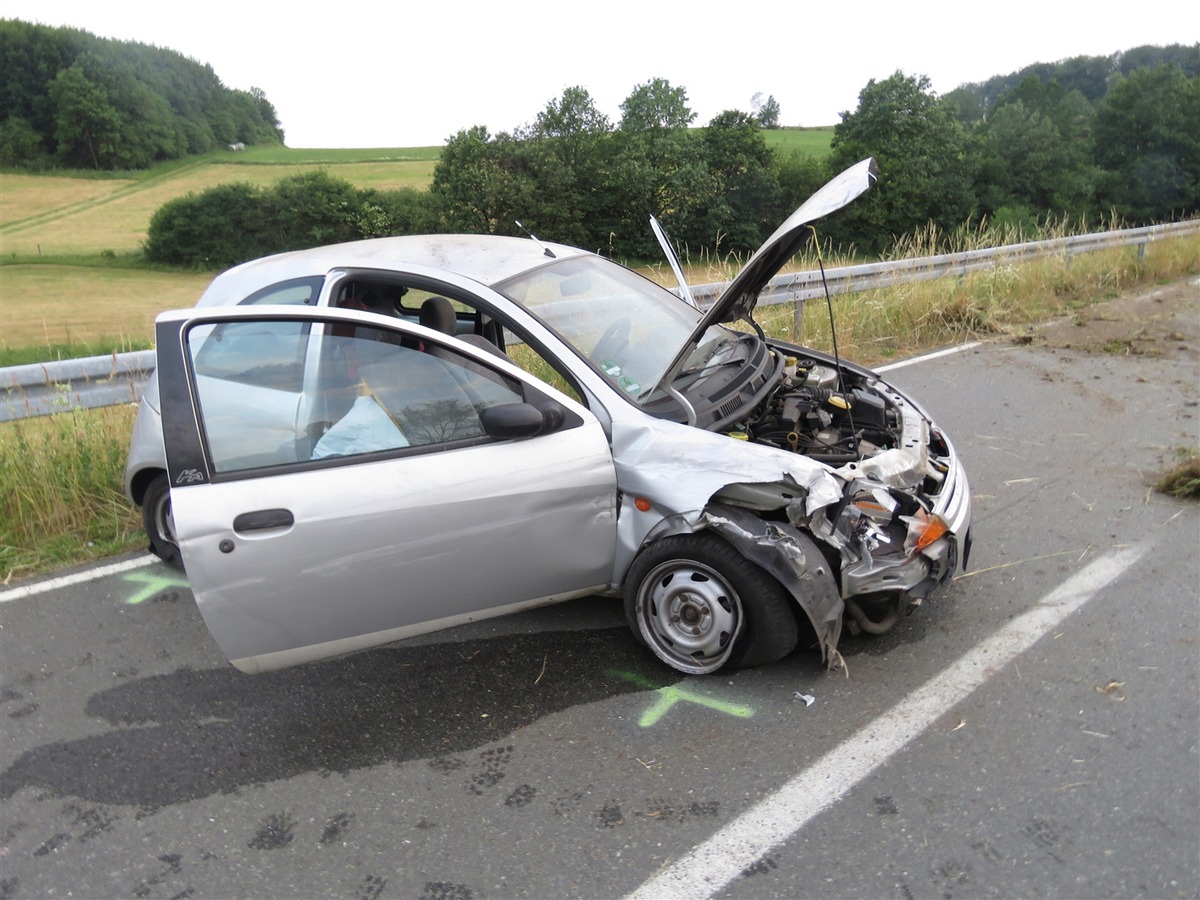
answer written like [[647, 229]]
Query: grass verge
[[1004, 301], [62, 498]]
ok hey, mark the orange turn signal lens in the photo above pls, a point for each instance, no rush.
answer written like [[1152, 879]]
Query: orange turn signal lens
[[934, 529], [642, 504]]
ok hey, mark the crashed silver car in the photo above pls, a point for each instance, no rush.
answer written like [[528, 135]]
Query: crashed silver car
[[360, 443]]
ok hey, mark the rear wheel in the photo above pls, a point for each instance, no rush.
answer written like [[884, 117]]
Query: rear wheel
[[699, 605], [159, 525]]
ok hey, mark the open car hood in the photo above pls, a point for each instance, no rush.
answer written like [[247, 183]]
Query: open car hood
[[739, 299]]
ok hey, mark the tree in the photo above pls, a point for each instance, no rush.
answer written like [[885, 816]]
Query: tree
[[572, 115], [20, 144], [967, 103], [268, 129], [655, 106], [485, 183], [767, 112], [576, 134], [148, 130], [1147, 135], [86, 125], [1033, 152], [734, 142], [738, 156], [664, 174], [921, 148], [800, 175]]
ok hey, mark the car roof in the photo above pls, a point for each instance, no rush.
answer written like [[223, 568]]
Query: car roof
[[485, 258]]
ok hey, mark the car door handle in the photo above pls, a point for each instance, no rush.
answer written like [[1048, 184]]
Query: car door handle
[[262, 519]]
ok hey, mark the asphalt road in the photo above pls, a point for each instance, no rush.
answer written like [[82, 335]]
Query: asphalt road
[[546, 755]]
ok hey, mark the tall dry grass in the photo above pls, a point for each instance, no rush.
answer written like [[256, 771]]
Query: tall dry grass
[[62, 499], [1003, 301]]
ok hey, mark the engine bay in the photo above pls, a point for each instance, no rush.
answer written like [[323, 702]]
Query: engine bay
[[813, 412]]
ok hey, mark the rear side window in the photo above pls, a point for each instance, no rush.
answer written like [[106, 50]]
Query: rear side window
[[296, 292]]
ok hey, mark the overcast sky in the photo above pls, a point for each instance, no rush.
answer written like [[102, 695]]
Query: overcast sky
[[386, 73]]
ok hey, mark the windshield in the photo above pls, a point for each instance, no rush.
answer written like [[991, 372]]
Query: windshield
[[625, 325]]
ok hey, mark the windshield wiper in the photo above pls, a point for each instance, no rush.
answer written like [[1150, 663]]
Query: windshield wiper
[[708, 366], [711, 362]]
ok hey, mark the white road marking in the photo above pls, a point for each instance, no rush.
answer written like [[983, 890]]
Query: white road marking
[[707, 868], [937, 354], [53, 584]]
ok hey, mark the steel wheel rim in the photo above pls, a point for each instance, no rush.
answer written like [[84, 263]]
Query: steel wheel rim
[[164, 521], [689, 614]]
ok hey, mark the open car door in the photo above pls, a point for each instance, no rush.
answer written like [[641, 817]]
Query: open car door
[[340, 481]]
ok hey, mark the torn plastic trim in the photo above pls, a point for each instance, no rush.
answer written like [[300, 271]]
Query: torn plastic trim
[[878, 530], [785, 552]]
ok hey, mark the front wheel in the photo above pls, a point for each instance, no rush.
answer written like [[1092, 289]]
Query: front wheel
[[698, 604], [159, 525]]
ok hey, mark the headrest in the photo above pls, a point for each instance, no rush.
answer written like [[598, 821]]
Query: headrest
[[438, 314]]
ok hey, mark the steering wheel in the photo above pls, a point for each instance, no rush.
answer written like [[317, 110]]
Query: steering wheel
[[613, 341]]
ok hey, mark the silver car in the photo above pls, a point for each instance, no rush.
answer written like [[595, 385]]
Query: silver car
[[364, 442]]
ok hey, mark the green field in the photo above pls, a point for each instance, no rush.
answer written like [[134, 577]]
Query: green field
[[56, 216], [71, 277], [70, 242], [813, 141]]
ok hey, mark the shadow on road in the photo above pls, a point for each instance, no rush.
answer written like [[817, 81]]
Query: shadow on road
[[193, 733]]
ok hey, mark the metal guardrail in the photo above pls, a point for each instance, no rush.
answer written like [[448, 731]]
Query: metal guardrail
[[40, 389], [801, 286]]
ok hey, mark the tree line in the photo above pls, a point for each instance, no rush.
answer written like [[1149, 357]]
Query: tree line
[[71, 99], [1033, 153]]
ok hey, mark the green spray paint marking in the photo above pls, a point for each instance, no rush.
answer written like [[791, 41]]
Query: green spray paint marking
[[154, 584], [670, 695]]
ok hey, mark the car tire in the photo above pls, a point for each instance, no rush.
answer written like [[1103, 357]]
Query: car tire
[[160, 527], [699, 605]]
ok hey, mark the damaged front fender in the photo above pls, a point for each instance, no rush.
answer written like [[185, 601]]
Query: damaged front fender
[[783, 550]]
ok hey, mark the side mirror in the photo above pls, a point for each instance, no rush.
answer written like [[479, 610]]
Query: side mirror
[[509, 421], [553, 416]]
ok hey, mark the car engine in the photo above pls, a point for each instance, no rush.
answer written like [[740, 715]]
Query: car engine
[[810, 413]]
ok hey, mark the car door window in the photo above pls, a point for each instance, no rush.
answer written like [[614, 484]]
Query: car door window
[[249, 378], [271, 393], [410, 397]]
